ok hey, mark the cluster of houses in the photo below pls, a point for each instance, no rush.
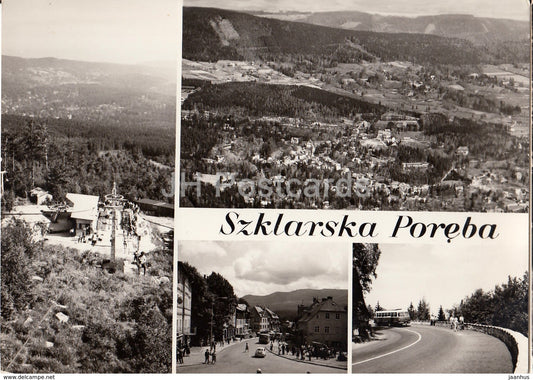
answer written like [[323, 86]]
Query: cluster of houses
[[355, 152]]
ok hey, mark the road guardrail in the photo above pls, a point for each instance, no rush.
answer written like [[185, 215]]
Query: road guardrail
[[516, 343]]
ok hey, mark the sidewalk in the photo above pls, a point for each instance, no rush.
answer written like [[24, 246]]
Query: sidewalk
[[196, 357], [331, 363]]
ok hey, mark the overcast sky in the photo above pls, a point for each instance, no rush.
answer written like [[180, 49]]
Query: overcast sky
[[513, 9], [121, 31], [442, 275], [261, 268]]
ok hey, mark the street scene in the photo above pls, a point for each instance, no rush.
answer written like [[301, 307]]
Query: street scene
[[250, 315], [432, 309]]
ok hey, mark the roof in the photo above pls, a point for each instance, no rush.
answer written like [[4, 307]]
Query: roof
[[271, 313], [83, 206], [38, 191], [326, 305], [259, 311], [241, 307]]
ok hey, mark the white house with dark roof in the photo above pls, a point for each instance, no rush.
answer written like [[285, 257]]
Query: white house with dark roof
[[83, 211]]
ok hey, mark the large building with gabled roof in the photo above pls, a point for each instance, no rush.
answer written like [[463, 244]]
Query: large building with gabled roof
[[324, 322]]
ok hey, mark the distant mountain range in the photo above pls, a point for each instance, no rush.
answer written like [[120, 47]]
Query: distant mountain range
[[37, 72], [105, 93], [478, 30], [286, 303], [211, 34]]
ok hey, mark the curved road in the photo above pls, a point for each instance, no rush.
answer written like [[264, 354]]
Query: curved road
[[430, 349], [233, 359]]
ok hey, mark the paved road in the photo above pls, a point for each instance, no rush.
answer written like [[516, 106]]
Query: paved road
[[234, 360], [429, 349]]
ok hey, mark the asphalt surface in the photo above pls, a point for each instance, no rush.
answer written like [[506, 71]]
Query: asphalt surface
[[234, 360], [430, 349]]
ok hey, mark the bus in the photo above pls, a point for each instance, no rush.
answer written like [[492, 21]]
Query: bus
[[397, 317], [264, 338]]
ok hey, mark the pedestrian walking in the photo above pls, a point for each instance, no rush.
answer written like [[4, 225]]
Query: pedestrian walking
[[214, 357], [206, 361], [142, 263], [246, 348]]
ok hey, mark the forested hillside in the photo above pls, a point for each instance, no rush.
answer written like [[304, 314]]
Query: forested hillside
[[67, 156], [211, 34], [263, 99], [62, 314]]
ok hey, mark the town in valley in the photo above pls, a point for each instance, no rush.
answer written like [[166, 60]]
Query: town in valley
[[433, 123]]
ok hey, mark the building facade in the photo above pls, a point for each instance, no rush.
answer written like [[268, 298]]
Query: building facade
[[325, 322], [259, 320], [184, 327], [242, 320], [274, 324]]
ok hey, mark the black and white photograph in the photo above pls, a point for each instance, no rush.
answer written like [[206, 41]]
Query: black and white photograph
[[372, 105], [262, 307], [432, 309], [87, 166]]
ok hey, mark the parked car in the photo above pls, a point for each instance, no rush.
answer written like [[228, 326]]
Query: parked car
[[260, 352]]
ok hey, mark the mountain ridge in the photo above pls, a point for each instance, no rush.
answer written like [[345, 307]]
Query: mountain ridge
[[478, 30], [212, 34]]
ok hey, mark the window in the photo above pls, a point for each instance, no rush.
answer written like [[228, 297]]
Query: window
[[317, 329], [337, 316], [327, 315], [326, 329]]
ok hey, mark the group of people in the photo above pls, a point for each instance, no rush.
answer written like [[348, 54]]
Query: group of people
[[86, 235], [210, 355], [456, 323], [182, 352], [304, 352], [139, 259]]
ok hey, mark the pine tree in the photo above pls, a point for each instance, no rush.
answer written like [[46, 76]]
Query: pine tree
[[423, 310], [441, 316], [412, 312]]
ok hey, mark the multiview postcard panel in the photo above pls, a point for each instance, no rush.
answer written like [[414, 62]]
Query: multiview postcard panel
[[88, 152], [267, 307], [356, 105]]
